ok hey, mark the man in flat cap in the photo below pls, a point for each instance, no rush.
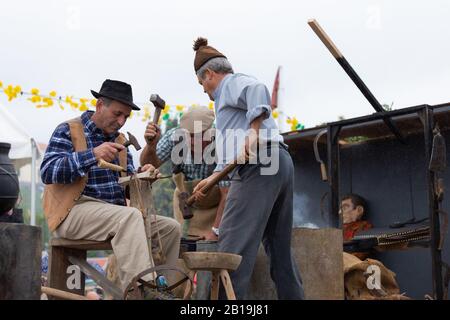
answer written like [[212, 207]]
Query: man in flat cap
[[259, 204], [189, 170], [84, 201]]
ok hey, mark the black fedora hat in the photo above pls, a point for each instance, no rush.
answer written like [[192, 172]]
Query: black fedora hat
[[116, 90]]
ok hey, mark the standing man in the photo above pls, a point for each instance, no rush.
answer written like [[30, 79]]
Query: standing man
[[259, 205], [197, 120], [84, 201]]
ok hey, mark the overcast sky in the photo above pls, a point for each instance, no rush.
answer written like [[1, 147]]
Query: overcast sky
[[399, 48]]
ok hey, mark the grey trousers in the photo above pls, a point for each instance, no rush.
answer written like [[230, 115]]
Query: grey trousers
[[260, 208]]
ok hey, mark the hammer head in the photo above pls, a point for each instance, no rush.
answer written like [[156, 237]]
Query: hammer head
[[184, 207], [157, 101], [132, 141]]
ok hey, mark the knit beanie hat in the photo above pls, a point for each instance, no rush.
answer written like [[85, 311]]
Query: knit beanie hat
[[204, 53]]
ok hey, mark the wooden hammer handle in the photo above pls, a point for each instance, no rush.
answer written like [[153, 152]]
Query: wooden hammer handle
[[62, 294], [325, 38], [106, 165], [156, 116], [190, 201]]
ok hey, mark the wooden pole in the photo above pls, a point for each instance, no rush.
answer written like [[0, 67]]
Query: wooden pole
[[62, 294], [354, 76]]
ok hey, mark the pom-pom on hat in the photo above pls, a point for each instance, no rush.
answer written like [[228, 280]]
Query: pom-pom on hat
[[204, 53]]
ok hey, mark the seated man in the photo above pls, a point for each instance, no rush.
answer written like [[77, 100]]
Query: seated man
[[188, 172], [84, 201]]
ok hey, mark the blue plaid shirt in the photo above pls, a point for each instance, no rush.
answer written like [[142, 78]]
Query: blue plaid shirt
[[191, 171], [61, 164]]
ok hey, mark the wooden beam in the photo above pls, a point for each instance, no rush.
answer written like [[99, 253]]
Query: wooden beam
[[95, 275], [325, 38], [62, 294], [147, 175], [81, 244]]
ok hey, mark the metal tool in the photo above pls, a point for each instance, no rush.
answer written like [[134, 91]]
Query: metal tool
[[159, 106]]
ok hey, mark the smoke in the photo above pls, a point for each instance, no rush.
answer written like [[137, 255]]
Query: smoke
[[305, 215]]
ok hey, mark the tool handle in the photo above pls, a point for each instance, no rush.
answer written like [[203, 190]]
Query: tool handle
[[190, 201], [155, 121], [325, 38], [323, 171], [106, 165], [156, 115]]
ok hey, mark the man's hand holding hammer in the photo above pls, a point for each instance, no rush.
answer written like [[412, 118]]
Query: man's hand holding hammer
[[108, 151], [153, 133], [248, 152]]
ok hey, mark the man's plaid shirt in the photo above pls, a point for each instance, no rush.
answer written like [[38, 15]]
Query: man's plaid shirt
[[191, 171], [61, 164]]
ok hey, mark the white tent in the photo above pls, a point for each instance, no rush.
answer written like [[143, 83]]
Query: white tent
[[23, 150]]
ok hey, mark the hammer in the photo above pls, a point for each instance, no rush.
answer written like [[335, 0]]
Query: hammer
[[187, 204], [159, 105], [132, 141]]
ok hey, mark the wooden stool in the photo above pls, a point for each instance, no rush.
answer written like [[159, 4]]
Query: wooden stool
[[219, 263], [64, 253]]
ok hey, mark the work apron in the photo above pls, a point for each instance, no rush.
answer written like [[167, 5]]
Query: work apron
[[204, 211]]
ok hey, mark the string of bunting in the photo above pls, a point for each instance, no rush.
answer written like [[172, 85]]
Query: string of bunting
[[170, 112]]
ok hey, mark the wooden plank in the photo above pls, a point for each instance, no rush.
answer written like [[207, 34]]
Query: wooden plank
[[318, 254], [58, 268], [81, 244], [215, 281], [95, 275], [147, 175], [20, 262], [225, 277], [62, 294], [325, 38]]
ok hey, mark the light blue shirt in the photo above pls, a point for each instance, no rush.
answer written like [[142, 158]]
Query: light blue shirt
[[240, 99]]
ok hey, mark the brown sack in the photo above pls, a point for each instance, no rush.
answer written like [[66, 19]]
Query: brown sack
[[355, 280]]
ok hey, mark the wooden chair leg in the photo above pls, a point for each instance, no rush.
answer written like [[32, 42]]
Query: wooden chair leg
[[215, 285], [189, 289], [58, 266], [225, 277]]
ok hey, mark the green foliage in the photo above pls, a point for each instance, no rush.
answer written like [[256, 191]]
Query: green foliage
[[387, 107], [24, 204], [162, 190]]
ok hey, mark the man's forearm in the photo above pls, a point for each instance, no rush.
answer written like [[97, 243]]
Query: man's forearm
[[65, 167], [256, 123], [149, 155]]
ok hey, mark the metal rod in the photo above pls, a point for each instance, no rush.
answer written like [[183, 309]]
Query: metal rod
[[33, 183], [380, 116], [436, 259], [364, 119], [333, 174]]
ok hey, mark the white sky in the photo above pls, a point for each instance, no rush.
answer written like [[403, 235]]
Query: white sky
[[399, 48]]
